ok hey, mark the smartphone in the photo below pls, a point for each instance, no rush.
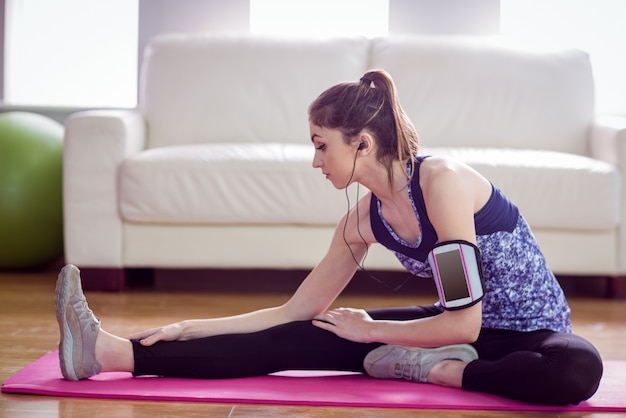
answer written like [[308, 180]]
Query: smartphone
[[457, 274]]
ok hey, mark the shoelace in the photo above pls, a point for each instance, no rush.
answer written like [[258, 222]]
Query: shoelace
[[406, 365], [84, 311]]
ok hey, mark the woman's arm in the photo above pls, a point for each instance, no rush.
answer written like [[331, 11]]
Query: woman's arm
[[453, 192], [315, 294], [450, 327]]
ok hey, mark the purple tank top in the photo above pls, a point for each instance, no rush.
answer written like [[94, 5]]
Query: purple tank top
[[521, 293]]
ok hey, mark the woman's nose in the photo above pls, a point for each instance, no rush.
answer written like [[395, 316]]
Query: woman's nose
[[316, 162]]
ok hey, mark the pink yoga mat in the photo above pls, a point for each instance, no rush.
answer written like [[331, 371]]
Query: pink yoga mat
[[43, 377]]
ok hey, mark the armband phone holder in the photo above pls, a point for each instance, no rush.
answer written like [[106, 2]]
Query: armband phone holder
[[458, 275]]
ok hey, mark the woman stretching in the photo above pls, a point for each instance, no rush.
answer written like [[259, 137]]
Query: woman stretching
[[501, 326]]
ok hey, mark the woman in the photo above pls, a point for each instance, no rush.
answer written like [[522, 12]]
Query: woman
[[509, 332]]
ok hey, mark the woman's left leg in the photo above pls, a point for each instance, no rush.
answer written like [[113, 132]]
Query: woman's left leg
[[295, 345], [86, 350]]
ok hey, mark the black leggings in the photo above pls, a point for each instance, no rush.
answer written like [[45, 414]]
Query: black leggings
[[543, 367]]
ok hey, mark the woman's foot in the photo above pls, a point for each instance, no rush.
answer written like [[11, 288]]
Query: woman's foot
[[412, 363], [78, 327]]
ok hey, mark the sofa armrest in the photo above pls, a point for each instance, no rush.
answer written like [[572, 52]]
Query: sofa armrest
[[96, 143], [608, 140], [608, 143]]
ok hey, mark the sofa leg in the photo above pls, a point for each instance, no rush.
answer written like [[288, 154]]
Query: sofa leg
[[616, 288], [103, 279]]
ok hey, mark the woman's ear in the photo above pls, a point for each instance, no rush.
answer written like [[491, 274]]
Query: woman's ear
[[365, 142]]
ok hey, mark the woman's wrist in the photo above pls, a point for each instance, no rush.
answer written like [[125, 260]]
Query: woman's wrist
[[187, 330], [375, 332]]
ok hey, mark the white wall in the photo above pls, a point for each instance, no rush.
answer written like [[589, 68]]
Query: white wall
[[445, 17], [161, 16]]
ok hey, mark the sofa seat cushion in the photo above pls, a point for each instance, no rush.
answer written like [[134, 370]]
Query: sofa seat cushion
[[275, 184], [549, 186], [228, 183]]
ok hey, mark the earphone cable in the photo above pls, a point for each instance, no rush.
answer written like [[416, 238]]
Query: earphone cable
[[361, 265]]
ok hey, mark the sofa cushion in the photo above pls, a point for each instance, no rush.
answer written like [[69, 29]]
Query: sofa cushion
[[553, 190], [468, 92], [228, 183], [275, 183], [227, 89]]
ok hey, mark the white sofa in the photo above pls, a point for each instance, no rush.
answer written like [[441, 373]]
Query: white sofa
[[213, 169]]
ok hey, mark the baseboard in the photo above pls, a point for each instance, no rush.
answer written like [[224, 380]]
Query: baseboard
[[287, 281], [103, 279]]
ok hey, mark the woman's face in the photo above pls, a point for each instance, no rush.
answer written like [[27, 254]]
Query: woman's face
[[332, 155]]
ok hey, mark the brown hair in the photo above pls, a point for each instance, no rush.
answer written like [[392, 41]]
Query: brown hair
[[372, 105]]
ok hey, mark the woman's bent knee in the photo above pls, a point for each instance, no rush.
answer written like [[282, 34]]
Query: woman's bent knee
[[583, 372], [576, 376]]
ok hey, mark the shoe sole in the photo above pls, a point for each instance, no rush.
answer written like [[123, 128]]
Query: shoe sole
[[63, 291]]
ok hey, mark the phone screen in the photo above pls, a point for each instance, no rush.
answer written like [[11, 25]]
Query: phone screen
[[452, 275]]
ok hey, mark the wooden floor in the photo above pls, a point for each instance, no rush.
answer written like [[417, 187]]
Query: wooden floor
[[28, 328]]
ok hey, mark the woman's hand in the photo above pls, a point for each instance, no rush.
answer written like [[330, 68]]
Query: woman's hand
[[172, 332], [349, 323]]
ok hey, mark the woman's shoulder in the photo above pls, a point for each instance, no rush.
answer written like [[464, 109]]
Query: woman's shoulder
[[445, 176], [441, 162], [442, 169]]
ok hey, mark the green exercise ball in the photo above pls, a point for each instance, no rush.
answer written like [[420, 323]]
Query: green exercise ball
[[31, 195]]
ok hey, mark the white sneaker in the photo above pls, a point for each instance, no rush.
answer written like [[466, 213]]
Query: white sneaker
[[78, 327], [412, 363]]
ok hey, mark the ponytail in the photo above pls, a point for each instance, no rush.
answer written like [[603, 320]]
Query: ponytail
[[406, 140]]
